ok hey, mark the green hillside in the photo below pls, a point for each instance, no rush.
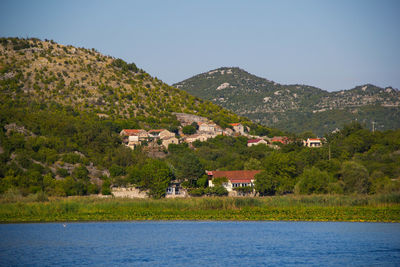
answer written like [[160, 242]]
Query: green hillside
[[62, 108], [296, 108]]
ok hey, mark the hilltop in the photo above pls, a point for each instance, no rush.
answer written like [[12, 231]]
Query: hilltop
[[62, 109], [297, 107], [85, 80]]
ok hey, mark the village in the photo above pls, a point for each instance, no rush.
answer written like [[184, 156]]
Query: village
[[155, 141]]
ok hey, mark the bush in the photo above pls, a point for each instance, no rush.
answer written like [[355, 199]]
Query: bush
[[313, 181], [245, 190], [105, 188], [189, 129], [196, 192], [62, 172], [216, 191]]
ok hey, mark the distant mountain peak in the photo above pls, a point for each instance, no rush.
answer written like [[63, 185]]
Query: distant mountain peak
[[295, 107]]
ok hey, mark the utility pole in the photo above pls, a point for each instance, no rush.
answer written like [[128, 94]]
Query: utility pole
[[373, 126], [329, 151]]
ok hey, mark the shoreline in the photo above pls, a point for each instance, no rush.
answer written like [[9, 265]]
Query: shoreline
[[285, 208]]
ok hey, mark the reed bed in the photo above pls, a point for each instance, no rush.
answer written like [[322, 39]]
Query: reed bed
[[374, 208]]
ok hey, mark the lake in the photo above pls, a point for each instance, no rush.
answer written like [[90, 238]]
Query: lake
[[189, 243]]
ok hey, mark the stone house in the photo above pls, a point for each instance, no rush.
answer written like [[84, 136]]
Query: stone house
[[133, 137], [208, 127], [237, 128], [161, 134], [197, 137], [170, 140]]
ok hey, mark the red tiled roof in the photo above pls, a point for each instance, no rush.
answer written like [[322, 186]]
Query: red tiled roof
[[234, 176], [132, 131], [314, 139], [251, 141], [241, 181], [278, 138], [234, 124]]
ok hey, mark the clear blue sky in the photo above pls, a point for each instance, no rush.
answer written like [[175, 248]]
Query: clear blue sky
[[333, 44]]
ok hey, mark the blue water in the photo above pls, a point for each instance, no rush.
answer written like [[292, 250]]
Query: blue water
[[200, 244]]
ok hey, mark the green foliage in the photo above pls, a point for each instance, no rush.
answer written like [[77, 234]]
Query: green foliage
[[266, 184], [355, 177], [313, 181], [189, 129], [106, 187], [295, 108], [380, 208], [154, 175], [186, 166], [244, 190], [219, 181], [119, 63], [202, 181], [116, 170]]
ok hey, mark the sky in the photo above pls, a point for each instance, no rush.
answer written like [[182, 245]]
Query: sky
[[330, 44]]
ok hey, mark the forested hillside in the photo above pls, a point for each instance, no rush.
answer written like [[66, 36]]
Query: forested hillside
[[296, 108], [62, 108]]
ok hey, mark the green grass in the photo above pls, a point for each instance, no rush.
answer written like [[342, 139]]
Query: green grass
[[379, 208]]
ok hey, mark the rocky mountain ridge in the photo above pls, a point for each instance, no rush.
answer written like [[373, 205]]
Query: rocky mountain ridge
[[291, 106]]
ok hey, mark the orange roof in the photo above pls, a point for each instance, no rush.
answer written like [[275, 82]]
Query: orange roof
[[278, 138], [234, 176], [234, 124], [314, 139], [132, 131]]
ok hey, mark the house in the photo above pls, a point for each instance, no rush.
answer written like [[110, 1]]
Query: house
[[280, 139], [312, 142], [238, 128], [208, 127], [254, 142], [228, 132], [235, 179], [175, 190], [161, 134], [133, 137], [197, 137], [141, 134], [170, 140]]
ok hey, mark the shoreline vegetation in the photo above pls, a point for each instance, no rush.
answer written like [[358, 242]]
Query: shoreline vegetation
[[351, 208]]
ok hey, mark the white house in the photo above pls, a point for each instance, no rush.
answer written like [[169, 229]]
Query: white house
[[235, 178], [312, 142], [254, 142]]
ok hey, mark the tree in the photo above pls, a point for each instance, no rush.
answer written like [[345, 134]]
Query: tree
[[266, 184], [355, 177], [252, 164], [155, 175], [186, 166], [313, 181], [189, 129]]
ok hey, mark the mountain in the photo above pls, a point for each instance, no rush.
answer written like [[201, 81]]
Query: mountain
[[84, 79], [61, 111], [296, 108]]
